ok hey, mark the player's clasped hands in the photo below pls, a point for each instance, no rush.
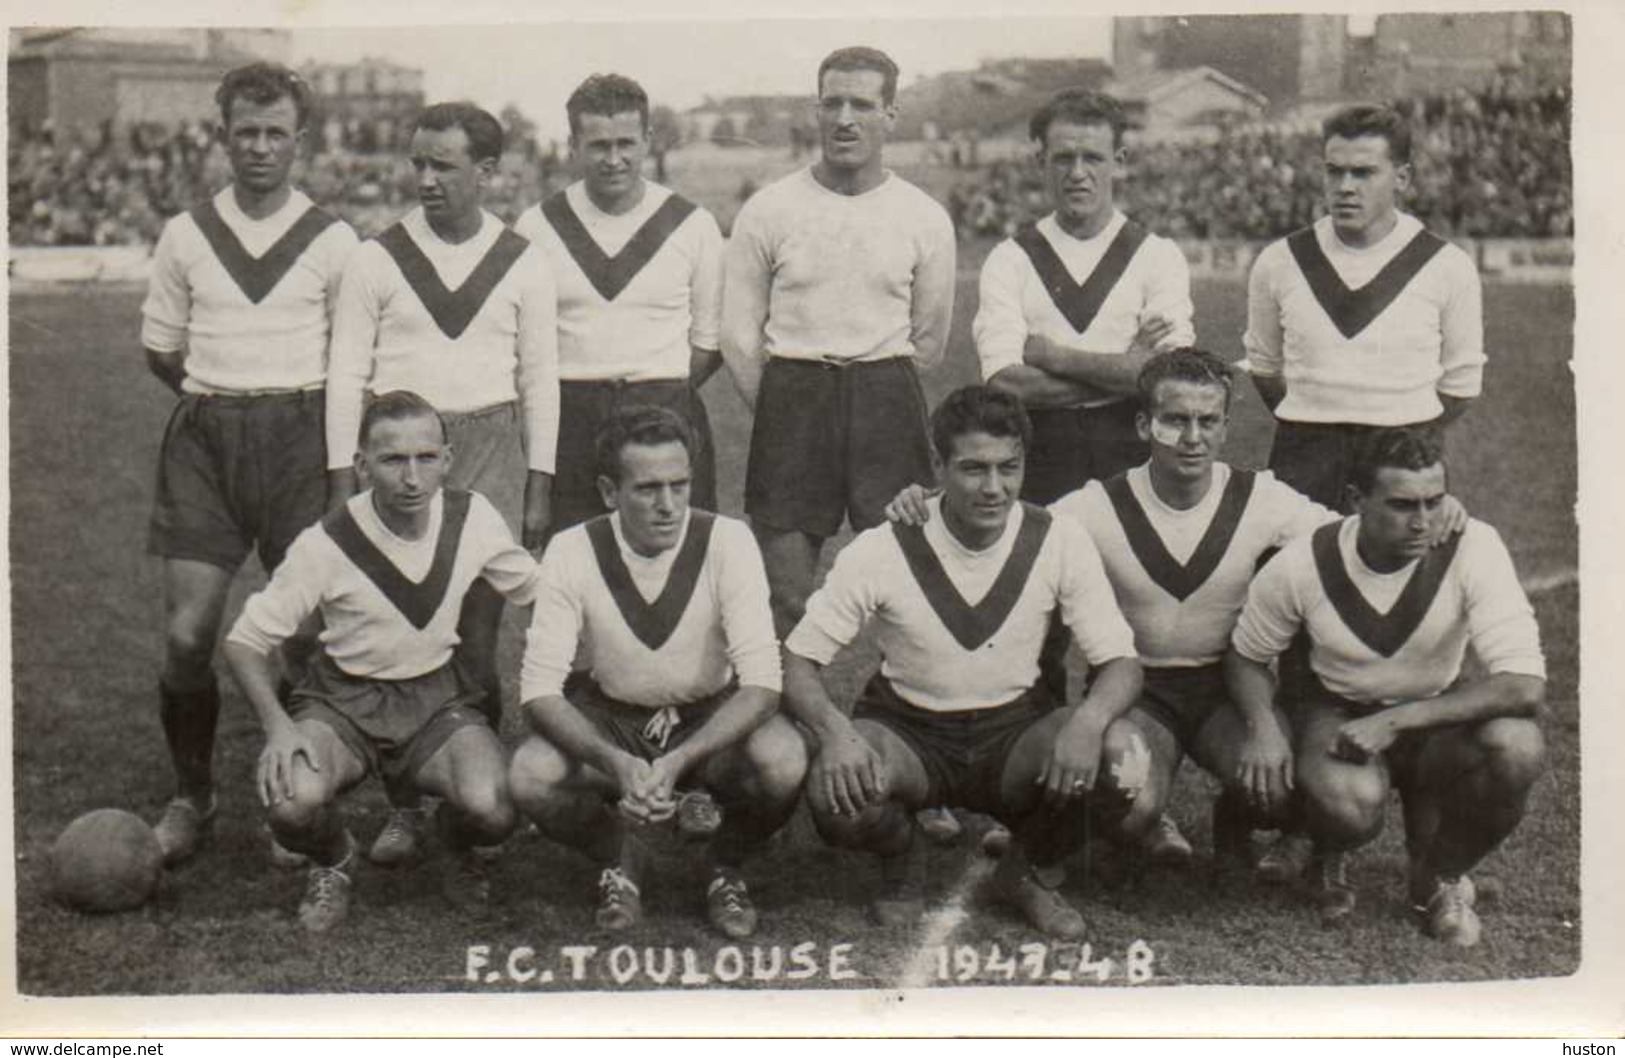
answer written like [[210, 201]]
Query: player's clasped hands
[[282, 748], [1074, 761], [646, 793], [848, 774]]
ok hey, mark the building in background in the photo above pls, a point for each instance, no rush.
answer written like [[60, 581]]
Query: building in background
[[1169, 103], [1428, 54], [1289, 59], [366, 105], [81, 78]]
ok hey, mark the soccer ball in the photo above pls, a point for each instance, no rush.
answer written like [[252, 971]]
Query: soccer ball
[[106, 860]]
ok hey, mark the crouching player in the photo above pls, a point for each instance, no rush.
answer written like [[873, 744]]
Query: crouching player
[[960, 607], [388, 571], [670, 608], [1389, 622]]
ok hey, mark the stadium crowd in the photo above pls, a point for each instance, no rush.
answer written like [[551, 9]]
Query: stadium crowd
[[1492, 163]]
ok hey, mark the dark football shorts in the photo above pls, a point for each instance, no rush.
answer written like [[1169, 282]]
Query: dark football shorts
[[964, 752], [488, 450], [641, 730], [1182, 699], [584, 407], [237, 474], [832, 441], [1317, 458], [1073, 446], [392, 726]]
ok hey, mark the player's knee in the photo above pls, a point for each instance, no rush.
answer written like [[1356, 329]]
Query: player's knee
[[189, 642], [1515, 751], [536, 775], [484, 802], [851, 830], [302, 808], [1343, 803], [777, 759]]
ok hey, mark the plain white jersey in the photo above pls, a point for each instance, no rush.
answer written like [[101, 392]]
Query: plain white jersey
[[465, 326], [389, 606], [960, 629], [1181, 576], [248, 300], [1370, 335], [1090, 294], [636, 290], [657, 631], [813, 274], [1386, 638]]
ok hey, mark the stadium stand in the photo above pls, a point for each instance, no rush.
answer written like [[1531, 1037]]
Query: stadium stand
[[1489, 164]]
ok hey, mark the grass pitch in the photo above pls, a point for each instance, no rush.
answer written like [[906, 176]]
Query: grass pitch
[[87, 640]]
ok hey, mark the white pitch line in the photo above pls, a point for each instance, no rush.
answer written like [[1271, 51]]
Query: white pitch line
[[1545, 582], [941, 924]]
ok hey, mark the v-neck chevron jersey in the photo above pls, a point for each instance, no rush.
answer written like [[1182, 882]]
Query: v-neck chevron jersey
[[234, 343], [671, 300], [365, 632], [725, 630], [872, 583], [1179, 632], [386, 338], [1479, 603], [1428, 340], [1016, 303]]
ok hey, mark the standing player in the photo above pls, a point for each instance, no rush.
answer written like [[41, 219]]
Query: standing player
[[1363, 319], [388, 571], [959, 608], [1073, 305], [671, 606], [449, 304], [639, 274], [1389, 622], [839, 284], [236, 323]]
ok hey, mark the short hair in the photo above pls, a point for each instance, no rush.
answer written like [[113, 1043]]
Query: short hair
[[859, 57], [1402, 447], [1197, 366], [979, 409], [606, 94], [638, 424], [263, 83], [1365, 119], [392, 406], [1081, 107], [484, 131]]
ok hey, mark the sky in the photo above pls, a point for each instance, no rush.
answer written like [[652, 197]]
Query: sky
[[679, 63]]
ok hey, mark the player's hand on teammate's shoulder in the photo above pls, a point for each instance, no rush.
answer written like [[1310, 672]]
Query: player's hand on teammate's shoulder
[[1074, 760], [537, 519], [908, 507], [1265, 766], [284, 745], [1360, 740], [847, 775], [1452, 519]]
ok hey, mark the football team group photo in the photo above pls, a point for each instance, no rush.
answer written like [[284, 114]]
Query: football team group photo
[[1004, 532]]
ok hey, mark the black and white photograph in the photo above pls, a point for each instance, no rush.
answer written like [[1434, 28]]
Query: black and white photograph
[[845, 521]]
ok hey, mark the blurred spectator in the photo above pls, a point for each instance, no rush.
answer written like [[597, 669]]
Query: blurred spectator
[[1488, 163], [1491, 163]]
